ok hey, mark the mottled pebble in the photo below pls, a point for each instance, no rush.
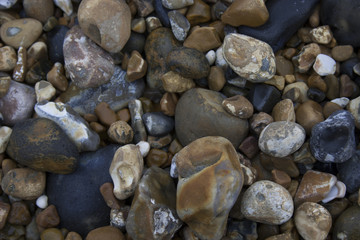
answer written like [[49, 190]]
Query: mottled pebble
[[120, 132], [238, 106]]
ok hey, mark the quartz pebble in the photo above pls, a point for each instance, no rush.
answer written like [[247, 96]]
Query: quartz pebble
[[5, 133], [342, 102], [44, 91], [42, 201], [324, 65], [238, 106], [65, 5]]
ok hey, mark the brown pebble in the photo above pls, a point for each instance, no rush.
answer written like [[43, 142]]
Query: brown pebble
[[342, 52], [89, 117], [175, 146], [168, 103], [4, 212], [175, 83], [283, 66], [107, 232], [57, 78], [277, 81], [138, 25], [156, 157], [308, 114], [105, 114], [125, 61], [7, 58], [107, 192], [216, 78], [73, 236], [289, 53], [5, 81], [293, 187], [152, 23], [259, 121], [136, 67], [219, 27], [304, 34], [203, 39], [42, 13], [198, 12], [238, 106], [314, 19], [36, 52], [120, 132], [284, 111], [285, 164], [147, 105], [333, 87], [19, 214], [159, 142], [348, 88], [123, 115], [97, 127], [329, 108], [48, 218], [249, 146], [303, 155], [316, 81], [7, 165], [289, 79], [281, 177], [51, 234]]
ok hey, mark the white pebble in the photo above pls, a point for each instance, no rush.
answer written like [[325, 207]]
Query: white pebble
[[342, 102], [144, 148], [173, 168], [42, 201], [324, 65], [65, 5], [220, 60], [211, 56], [6, 4]]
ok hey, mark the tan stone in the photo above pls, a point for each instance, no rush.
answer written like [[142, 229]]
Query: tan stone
[[168, 103], [284, 111], [259, 121], [107, 192], [321, 35], [308, 114], [123, 115], [198, 12], [252, 13], [238, 106], [289, 79], [203, 39], [216, 78], [57, 78], [42, 13], [7, 58], [289, 53], [159, 142], [342, 52], [138, 25], [304, 34], [175, 83], [44, 90], [7, 165], [281, 178], [48, 218], [51, 233], [136, 67], [277, 81], [333, 86], [107, 232], [303, 88], [120, 132], [283, 66], [305, 59]]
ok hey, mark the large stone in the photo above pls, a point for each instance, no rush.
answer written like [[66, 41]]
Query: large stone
[[41, 144], [209, 173], [106, 22], [89, 65], [199, 113], [347, 224], [76, 196], [42, 13], [349, 173], [285, 18]]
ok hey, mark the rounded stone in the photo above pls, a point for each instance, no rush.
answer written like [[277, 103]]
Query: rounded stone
[[324, 65], [158, 124], [107, 232], [342, 52], [42, 13], [312, 221], [347, 224], [284, 111], [20, 32], [120, 132], [199, 113], [238, 106], [41, 144], [250, 58], [267, 202], [280, 139], [106, 22], [7, 58], [349, 173], [51, 233], [309, 114]]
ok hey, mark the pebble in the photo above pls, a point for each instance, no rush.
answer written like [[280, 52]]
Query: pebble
[[136, 67], [168, 103], [88, 65], [176, 4], [306, 57], [106, 232], [267, 202], [5, 133], [180, 25], [348, 173], [342, 52], [5, 81], [24, 183], [137, 123], [7, 4], [281, 178], [324, 65], [144, 148], [48, 217], [76, 128], [284, 111], [238, 106], [308, 114], [157, 157], [41, 144], [220, 60], [120, 132], [42, 201], [256, 64], [264, 97], [321, 34], [65, 5], [285, 164], [44, 91], [51, 233], [312, 221], [55, 40], [20, 67], [173, 82], [206, 105], [211, 57], [158, 124], [296, 91], [18, 103], [73, 236], [108, 23], [203, 39], [316, 81], [345, 226], [259, 121], [105, 114], [333, 140], [249, 147], [280, 139], [4, 209], [342, 102], [202, 165], [7, 58], [353, 108], [153, 212], [33, 10], [277, 81], [19, 214], [125, 170]]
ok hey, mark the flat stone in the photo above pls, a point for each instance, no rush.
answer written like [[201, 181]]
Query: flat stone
[[32, 9], [173, 82], [203, 39], [158, 124], [106, 232], [346, 224]]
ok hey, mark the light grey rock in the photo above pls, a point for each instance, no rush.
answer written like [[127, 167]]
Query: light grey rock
[[180, 26], [6, 4], [65, 5], [176, 4]]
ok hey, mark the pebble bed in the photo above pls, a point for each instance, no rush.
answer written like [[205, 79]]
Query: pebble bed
[[179, 119]]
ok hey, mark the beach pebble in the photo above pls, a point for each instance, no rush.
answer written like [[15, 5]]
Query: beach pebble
[[308, 114], [136, 67], [55, 41], [7, 58], [346, 226], [158, 124], [238, 106], [6, 4], [144, 148], [5, 133], [176, 4], [5, 210], [321, 35], [33, 10], [120, 132], [48, 217], [180, 25], [42, 201], [211, 57], [56, 76], [173, 82], [324, 65], [342, 102], [349, 173], [264, 97], [342, 52], [203, 39], [106, 232], [44, 91]]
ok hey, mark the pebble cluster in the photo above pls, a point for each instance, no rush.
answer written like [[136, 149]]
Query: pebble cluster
[[179, 119]]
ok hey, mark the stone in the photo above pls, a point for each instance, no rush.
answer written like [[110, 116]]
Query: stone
[[153, 23], [176, 4], [73, 236], [300, 94], [137, 123], [281, 25], [211, 57], [353, 108], [348, 88], [136, 67], [48, 217], [203, 165], [32, 9], [108, 23], [76, 128], [206, 106], [159, 44], [264, 97], [248, 13], [314, 186], [316, 95], [323, 141], [321, 35], [281, 178], [157, 157], [36, 52], [7, 165], [4, 212], [120, 132], [65, 5], [138, 25], [284, 111], [88, 65], [285, 164], [329, 108], [107, 193], [198, 13], [158, 124], [348, 173], [309, 114], [55, 41], [188, 62], [345, 226], [106, 232], [303, 155], [306, 57], [267, 202], [249, 147], [153, 211], [19, 214], [20, 32], [280, 139], [7, 4], [21, 64], [105, 114], [44, 91], [51, 233], [42, 201], [123, 115], [5, 81], [168, 103], [179, 24], [277, 81], [342, 53], [342, 102], [312, 221], [24, 183], [250, 58], [324, 65], [238, 106], [203, 39], [173, 82], [84, 197], [37, 72], [259, 121], [41, 144], [337, 191], [333, 87], [18, 103], [216, 78], [7, 58], [5, 133]]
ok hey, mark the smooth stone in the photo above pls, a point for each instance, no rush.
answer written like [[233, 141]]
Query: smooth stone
[[206, 106], [42, 201], [285, 164], [84, 197], [308, 114], [107, 22], [324, 65], [188, 62], [159, 44], [32, 9], [342, 52], [65, 5], [55, 41], [312, 221], [51, 233], [283, 66], [5, 81], [338, 15], [316, 95], [198, 13], [135, 42], [264, 97], [71, 123], [349, 173], [354, 108], [280, 139], [244, 229], [267, 202], [284, 111], [117, 93], [106, 232], [176, 4], [281, 25], [7, 58], [329, 108], [153, 211], [250, 58], [216, 79], [18, 103], [203, 39], [41, 144], [346, 225], [306, 57], [259, 121], [5, 133], [20, 32], [6, 4], [88, 65], [157, 157], [238, 106], [333, 140], [120, 132], [44, 91], [180, 25], [211, 57], [48, 217], [158, 124], [202, 166], [348, 88]]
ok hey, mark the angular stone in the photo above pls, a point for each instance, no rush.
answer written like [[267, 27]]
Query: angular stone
[[144, 7], [7, 58], [19, 214], [48, 218], [321, 35], [158, 124], [41, 144], [206, 106], [334, 139], [136, 67], [264, 97], [238, 106], [198, 13], [306, 57], [153, 211], [281, 178], [33, 10], [346, 225], [89, 65], [324, 65], [284, 111], [173, 82], [180, 26], [203, 166], [106, 232], [120, 132], [44, 91], [285, 164], [267, 202], [203, 39]]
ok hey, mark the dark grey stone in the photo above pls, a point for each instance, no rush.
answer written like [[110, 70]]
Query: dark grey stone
[[135, 42], [158, 124], [347, 67], [162, 13], [316, 95], [264, 97], [55, 40], [349, 173]]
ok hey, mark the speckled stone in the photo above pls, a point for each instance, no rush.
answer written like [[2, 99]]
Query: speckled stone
[[7, 58], [120, 132], [180, 25], [238, 106], [267, 202], [48, 217], [306, 57], [173, 82]]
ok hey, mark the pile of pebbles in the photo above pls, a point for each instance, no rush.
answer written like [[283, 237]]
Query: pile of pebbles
[[179, 119]]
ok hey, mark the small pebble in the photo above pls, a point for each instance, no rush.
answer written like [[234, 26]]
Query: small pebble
[[48, 217], [203, 39], [211, 57], [180, 25], [216, 78], [106, 232], [5, 133], [342, 52], [4, 209], [136, 67], [306, 57], [44, 91], [7, 58], [176, 4], [238, 106], [342, 102], [324, 65], [284, 111], [51, 233], [321, 35], [174, 83], [120, 132], [65, 5], [19, 214], [106, 190], [42, 201], [105, 114], [168, 103]]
